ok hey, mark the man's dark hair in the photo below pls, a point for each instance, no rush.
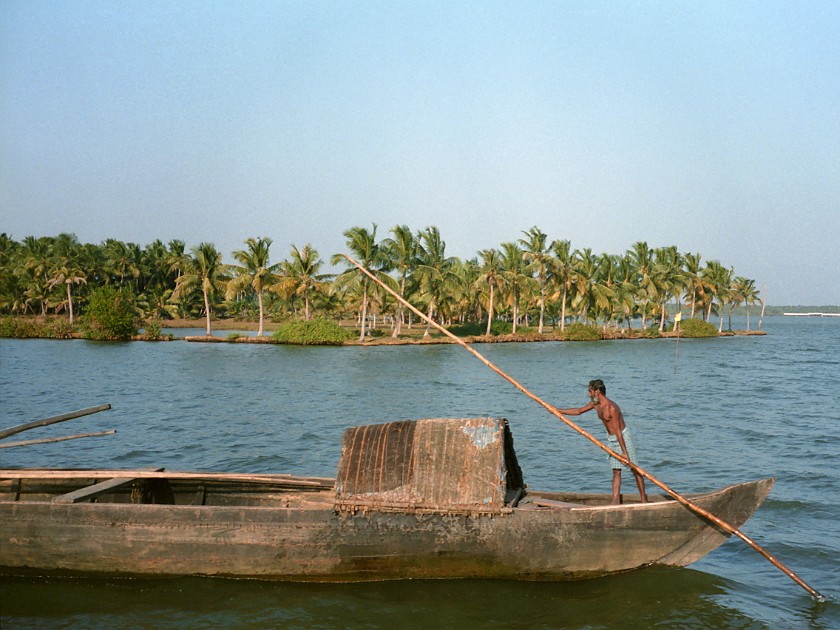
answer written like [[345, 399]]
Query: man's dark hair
[[598, 385]]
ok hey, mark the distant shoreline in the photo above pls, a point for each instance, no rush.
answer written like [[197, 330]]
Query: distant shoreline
[[380, 336], [414, 336]]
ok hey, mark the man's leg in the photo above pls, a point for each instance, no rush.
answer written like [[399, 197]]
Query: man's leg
[[616, 498], [640, 482]]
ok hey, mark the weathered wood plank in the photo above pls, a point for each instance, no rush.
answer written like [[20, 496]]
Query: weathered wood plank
[[290, 481], [90, 492], [552, 503]]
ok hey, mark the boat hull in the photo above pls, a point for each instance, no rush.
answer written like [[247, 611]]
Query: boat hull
[[319, 543]]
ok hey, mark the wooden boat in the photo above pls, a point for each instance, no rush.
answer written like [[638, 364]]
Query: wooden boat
[[439, 498]]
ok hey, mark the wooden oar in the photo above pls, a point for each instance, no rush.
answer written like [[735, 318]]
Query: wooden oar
[[556, 412], [63, 438], [54, 419]]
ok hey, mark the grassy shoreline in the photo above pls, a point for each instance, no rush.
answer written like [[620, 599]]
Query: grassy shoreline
[[381, 336]]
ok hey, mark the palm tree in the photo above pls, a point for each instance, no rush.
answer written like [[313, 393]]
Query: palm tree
[[65, 269], [516, 277], [154, 268], [205, 270], [466, 289], [607, 291], [401, 251], [561, 274], [624, 301], [694, 287], [254, 272], [367, 252], [36, 257], [642, 257], [589, 296], [719, 281], [301, 277], [492, 275], [124, 260], [157, 302], [668, 277], [743, 290], [10, 253], [67, 273], [435, 271], [177, 258], [537, 252]]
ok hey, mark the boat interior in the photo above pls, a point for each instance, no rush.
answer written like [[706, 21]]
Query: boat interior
[[231, 490]]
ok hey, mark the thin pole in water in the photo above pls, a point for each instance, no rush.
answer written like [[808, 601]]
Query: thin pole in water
[[54, 419], [57, 439], [555, 412]]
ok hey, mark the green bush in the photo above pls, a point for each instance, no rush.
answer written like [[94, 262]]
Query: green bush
[[581, 332], [651, 333], [697, 328], [153, 332], [476, 329], [110, 315], [18, 328], [60, 329], [315, 332]]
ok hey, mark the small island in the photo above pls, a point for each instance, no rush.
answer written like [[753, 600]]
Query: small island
[[531, 288]]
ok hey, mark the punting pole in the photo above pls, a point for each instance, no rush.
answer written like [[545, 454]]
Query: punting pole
[[556, 412], [54, 419]]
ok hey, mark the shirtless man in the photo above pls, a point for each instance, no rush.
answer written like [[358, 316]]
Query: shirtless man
[[618, 436]]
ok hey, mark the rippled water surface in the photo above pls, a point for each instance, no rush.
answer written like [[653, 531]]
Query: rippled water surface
[[705, 413]]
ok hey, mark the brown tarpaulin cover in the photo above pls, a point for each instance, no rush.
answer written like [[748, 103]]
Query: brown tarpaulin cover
[[440, 465]]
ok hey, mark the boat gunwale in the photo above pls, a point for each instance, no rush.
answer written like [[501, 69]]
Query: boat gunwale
[[220, 480]]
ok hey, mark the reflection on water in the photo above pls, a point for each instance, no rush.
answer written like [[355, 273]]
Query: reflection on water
[[705, 413], [669, 597]]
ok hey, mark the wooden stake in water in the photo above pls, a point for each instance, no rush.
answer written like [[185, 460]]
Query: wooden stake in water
[[555, 412]]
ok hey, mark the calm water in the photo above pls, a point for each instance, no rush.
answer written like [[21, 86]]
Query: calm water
[[705, 413]]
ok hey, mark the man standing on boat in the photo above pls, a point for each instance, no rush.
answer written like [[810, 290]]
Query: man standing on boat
[[618, 435]]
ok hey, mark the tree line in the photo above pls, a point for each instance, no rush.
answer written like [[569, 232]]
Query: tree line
[[531, 281]]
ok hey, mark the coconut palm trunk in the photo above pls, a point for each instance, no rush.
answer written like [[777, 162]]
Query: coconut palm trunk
[[262, 317], [69, 303], [490, 310], [429, 315], [364, 312], [398, 325], [563, 309], [207, 312]]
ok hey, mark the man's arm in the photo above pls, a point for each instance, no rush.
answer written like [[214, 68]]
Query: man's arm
[[577, 411]]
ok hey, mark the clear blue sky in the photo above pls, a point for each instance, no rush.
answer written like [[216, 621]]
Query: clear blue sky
[[712, 126]]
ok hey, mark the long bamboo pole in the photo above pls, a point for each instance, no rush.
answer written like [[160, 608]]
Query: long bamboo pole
[[556, 412], [57, 439], [52, 420]]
